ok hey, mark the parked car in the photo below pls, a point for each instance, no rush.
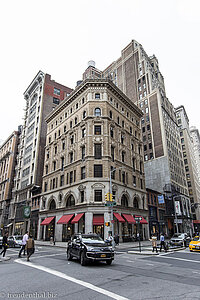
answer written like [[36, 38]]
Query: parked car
[[15, 240], [194, 245], [180, 239], [89, 247]]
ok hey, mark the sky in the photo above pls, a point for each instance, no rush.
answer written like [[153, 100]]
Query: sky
[[59, 38]]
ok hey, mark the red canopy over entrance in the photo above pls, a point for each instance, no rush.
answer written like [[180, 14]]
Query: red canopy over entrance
[[65, 219], [129, 218], [47, 221], [118, 217]]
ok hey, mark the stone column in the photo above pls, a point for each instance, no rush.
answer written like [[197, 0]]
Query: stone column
[[58, 229], [88, 222]]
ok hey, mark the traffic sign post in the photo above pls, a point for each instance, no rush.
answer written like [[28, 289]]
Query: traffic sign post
[[138, 219]]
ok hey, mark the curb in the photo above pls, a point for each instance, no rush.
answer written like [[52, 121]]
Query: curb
[[46, 245], [143, 253]]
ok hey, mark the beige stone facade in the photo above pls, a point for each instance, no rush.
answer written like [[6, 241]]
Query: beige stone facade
[[94, 133]]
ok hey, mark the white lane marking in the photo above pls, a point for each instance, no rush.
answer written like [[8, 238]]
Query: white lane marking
[[48, 255], [77, 281], [177, 258], [150, 264]]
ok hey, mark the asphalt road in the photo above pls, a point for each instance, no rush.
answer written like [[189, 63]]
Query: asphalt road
[[50, 276]]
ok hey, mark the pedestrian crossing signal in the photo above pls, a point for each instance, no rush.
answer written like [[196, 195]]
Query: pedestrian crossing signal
[[107, 224]]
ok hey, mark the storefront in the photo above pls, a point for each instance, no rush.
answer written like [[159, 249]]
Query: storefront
[[50, 228], [67, 227], [98, 225], [128, 228], [79, 219], [19, 228]]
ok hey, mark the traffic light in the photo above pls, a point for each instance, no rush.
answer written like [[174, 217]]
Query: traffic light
[[107, 197], [107, 224], [111, 197]]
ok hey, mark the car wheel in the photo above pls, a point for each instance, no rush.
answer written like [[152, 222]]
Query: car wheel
[[83, 259], [69, 256], [109, 262]]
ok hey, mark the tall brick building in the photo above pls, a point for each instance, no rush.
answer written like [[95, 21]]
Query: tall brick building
[[139, 77], [42, 96]]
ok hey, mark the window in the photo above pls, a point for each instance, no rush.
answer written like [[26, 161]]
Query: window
[[83, 173], [61, 180], [141, 184], [117, 120], [122, 139], [54, 165], [110, 114], [83, 132], [98, 195], [98, 171], [111, 132], [143, 129], [65, 128], [131, 130], [133, 164], [74, 175], [84, 114], [97, 96], [56, 149], [72, 139], [56, 91], [83, 100], [97, 151], [47, 168], [63, 145], [83, 153], [97, 112], [150, 145], [71, 177], [56, 100], [76, 105], [123, 156], [145, 147], [112, 153], [75, 120], [82, 196], [122, 123], [71, 157], [148, 127], [62, 163], [113, 170], [70, 124], [45, 186], [97, 129], [146, 157], [71, 110]]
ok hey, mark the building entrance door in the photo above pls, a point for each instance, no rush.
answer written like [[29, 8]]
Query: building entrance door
[[99, 229]]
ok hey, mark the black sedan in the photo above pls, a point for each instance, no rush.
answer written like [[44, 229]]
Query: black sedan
[[89, 247]]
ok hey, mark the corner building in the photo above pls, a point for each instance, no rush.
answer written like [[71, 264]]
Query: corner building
[[93, 134]]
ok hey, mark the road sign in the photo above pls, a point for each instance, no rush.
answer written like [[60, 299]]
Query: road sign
[[110, 203]]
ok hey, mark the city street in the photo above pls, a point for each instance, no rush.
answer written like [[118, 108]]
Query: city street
[[49, 275]]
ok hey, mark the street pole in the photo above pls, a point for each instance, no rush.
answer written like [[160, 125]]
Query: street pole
[[175, 215], [111, 209]]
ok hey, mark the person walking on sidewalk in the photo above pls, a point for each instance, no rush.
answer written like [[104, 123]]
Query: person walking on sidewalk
[[154, 242], [4, 244], [162, 242], [30, 247], [24, 241]]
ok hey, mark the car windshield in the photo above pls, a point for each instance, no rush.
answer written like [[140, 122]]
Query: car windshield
[[91, 239], [178, 235], [196, 239], [19, 237]]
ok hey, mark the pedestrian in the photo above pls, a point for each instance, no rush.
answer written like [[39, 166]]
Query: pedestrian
[[162, 242], [116, 239], [30, 247], [24, 241], [154, 242], [4, 244]]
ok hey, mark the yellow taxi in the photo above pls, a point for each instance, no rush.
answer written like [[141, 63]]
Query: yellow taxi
[[194, 245]]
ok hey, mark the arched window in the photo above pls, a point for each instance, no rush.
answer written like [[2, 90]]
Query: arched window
[[52, 205], [97, 112], [135, 203], [70, 201], [124, 201], [110, 114]]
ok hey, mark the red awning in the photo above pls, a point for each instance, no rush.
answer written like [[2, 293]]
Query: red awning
[[143, 221], [98, 220], [196, 221], [47, 221], [129, 218], [119, 217], [77, 218], [65, 219]]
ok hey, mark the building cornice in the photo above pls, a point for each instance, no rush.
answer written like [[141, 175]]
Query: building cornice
[[88, 83]]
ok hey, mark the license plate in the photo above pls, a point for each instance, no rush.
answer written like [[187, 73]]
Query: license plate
[[103, 255]]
